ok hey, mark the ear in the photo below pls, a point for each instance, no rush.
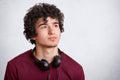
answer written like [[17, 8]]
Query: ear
[[33, 38]]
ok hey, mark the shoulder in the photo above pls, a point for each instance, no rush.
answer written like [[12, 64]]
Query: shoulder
[[21, 57], [16, 65], [71, 67], [69, 61]]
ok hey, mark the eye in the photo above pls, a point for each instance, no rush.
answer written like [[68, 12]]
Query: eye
[[43, 26], [56, 25]]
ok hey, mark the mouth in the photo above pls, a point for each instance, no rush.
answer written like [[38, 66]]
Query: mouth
[[52, 38]]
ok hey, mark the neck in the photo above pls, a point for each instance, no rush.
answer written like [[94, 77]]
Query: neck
[[46, 53]]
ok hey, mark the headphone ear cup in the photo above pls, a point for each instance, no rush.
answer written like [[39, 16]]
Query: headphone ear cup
[[44, 65], [56, 61]]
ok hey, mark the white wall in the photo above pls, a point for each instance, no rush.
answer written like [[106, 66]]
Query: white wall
[[91, 34]]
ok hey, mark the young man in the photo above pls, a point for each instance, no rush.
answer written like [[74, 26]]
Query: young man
[[43, 25]]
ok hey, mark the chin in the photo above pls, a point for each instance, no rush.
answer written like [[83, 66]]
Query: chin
[[51, 46]]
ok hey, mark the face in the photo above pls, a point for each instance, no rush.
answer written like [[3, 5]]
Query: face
[[48, 32]]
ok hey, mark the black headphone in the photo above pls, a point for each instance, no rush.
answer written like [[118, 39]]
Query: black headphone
[[44, 65]]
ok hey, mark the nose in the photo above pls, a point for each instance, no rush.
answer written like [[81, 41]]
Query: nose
[[51, 30]]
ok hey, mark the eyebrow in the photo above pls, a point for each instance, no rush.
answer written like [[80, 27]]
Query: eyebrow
[[56, 22], [44, 23]]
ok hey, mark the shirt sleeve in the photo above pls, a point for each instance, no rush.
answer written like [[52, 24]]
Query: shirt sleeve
[[78, 74], [82, 75], [11, 72]]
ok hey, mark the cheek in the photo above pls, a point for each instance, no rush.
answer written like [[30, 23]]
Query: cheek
[[41, 33], [40, 36], [58, 31]]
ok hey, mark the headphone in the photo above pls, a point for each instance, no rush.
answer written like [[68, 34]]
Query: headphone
[[44, 65]]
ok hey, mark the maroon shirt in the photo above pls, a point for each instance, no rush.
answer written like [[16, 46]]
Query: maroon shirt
[[23, 67]]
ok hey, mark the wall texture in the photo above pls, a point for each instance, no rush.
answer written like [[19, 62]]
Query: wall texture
[[91, 37]]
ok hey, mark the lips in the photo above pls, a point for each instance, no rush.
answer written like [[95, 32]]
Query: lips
[[52, 38]]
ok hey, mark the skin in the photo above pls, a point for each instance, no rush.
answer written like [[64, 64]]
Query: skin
[[47, 39]]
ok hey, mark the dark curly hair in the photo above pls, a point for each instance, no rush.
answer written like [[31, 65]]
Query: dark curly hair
[[41, 10]]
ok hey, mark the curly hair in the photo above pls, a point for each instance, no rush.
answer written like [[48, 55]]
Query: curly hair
[[41, 10]]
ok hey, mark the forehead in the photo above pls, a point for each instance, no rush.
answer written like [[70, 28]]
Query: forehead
[[47, 20]]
